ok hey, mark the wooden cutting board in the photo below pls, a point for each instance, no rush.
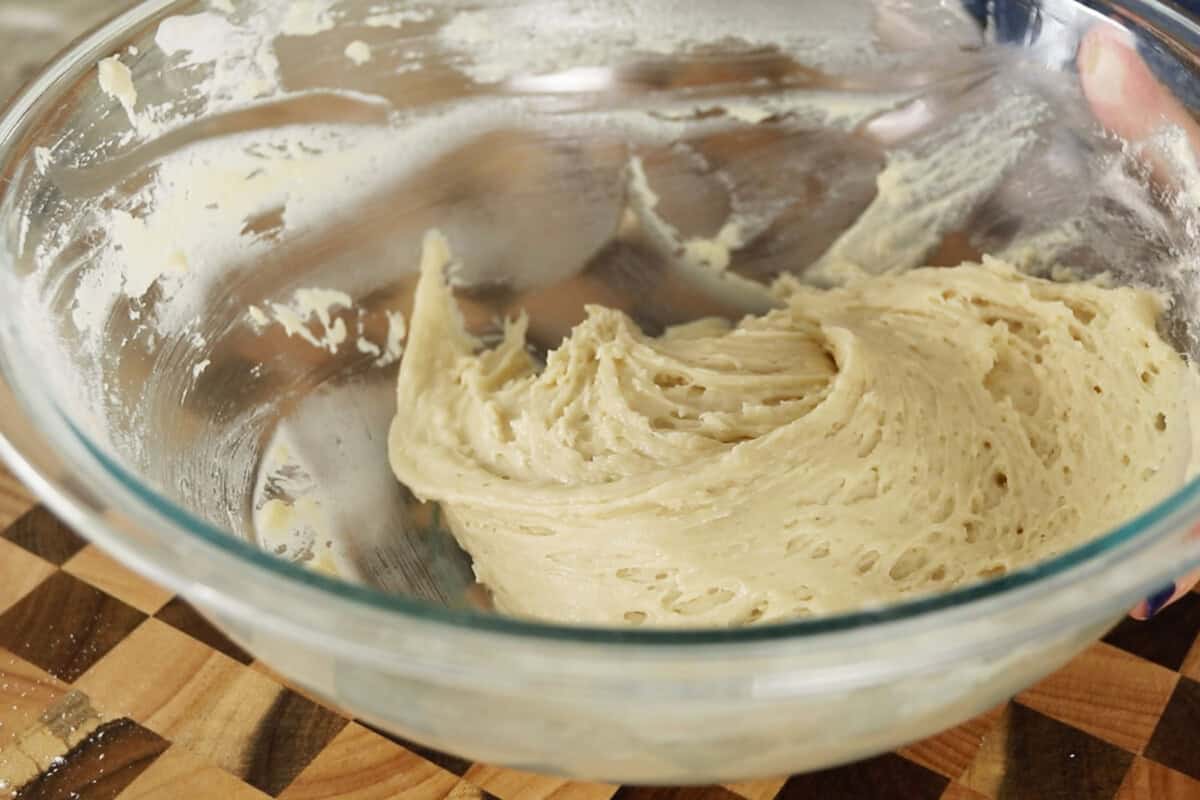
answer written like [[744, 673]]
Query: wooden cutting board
[[111, 688]]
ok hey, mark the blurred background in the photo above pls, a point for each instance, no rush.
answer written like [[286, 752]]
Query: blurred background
[[31, 31]]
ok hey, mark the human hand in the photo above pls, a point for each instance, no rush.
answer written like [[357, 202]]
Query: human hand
[[1129, 100]]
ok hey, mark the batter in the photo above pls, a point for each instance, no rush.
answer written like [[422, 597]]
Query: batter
[[901, 435]]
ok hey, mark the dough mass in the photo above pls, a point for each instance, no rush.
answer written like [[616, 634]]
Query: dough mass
[[901, 435]]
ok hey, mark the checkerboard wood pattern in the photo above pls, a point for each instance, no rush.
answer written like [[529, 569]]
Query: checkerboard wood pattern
[[112, 688]]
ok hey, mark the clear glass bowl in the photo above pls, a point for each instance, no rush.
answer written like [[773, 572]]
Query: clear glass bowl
[[145, 408]]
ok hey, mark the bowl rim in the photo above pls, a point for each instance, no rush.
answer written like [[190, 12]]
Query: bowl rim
[[1144, 529]]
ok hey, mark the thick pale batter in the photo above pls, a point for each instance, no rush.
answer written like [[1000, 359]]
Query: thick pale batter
[[902, 435]]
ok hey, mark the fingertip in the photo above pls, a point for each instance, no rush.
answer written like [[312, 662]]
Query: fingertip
[[1125, 95], [1115, 80], [1155, 603], [1095, 43]]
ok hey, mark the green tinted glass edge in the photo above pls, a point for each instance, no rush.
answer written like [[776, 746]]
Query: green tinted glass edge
[[1146, 523]]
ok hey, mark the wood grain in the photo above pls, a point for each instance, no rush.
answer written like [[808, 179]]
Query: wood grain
[[290, 735], [185, 692], [180, 614], [237, 730], [1029, 756], [1168, 640], [673, 793], [93, 566], [1175, 739], [957, 791], [950, 752], [20, 572], [180, 775], [15, 499], [76, 625], [1107, 692], [886, 777], [514, 784], [359, 764], [40, 532], [26, 691], [1191, 662], [757, 790], [101, 766], [39, 750], [1150, 781]]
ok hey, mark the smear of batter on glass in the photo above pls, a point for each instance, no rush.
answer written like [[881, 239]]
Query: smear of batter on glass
[[358, 52]]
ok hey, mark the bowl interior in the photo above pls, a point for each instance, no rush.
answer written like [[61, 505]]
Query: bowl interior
[[215, 235]]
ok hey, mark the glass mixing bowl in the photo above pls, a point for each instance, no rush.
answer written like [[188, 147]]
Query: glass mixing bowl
[[172, 390]]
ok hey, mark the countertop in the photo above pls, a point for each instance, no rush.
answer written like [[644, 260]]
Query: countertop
[[111, 688]]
